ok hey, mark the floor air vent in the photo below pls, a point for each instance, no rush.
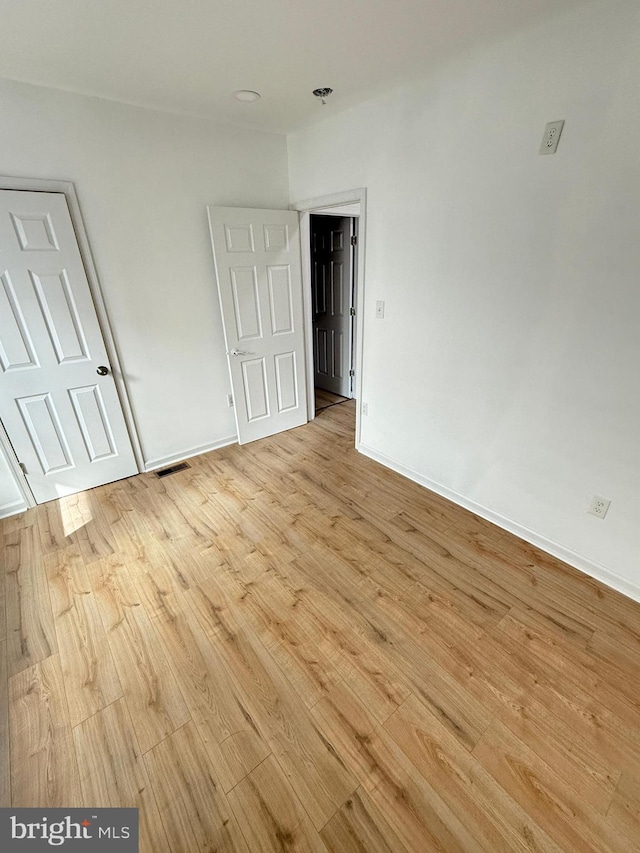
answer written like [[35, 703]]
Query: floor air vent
[[173, 469]]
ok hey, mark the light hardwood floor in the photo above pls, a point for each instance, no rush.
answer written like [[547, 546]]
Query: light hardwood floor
[[323, 399], [289, 648]]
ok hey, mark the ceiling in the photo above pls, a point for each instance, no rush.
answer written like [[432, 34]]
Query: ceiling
[[189, 56]]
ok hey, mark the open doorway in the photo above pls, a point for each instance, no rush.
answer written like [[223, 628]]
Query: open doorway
[[333, 243], [351, 203]]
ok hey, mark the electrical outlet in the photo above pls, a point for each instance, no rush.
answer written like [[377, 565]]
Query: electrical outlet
[[551, 137], [599, 506], [365, 408], [230, 400]]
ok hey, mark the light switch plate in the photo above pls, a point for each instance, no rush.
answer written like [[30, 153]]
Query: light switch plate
[[551, 137], [380, 309]]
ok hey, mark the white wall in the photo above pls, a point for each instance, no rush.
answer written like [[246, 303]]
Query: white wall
[[144, 179], [506, 369]]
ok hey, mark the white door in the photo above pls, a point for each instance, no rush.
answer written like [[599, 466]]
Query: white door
[[62, 416], [258, 268], [332, 299]]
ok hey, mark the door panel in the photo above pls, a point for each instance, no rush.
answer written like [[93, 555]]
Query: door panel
[[321, 353], [65, 424], [45, 432], [337, 354], [254, 376], [286, 381], [337, 289], [60, 316], [92, 419], [246, 306], [16, 348], [35, 232], [331, 300], [280, 300], [257, 258]]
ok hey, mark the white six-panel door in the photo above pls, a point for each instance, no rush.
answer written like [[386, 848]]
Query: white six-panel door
[[62, 416], [258, 268]]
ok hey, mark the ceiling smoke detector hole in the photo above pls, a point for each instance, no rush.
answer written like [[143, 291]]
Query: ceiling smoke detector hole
[[246, 96]]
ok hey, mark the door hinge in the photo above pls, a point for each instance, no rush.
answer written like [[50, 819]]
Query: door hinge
[[352, 373], [352, 312], [354, 240], [23, 467]]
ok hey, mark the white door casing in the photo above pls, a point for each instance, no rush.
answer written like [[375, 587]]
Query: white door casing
[[258, 270], [64, 420], [332, 299]]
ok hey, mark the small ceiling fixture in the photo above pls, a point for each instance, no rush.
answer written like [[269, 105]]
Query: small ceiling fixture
[[246, 95], [323, 94]]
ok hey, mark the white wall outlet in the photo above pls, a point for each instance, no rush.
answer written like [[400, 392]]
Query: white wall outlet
[[365, 408], [599, 506], [380, 309], [230, 400], [551, 137]]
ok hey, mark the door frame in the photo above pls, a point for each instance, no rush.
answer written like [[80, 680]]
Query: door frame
[[348, 322], [305, 208], [67, 188]]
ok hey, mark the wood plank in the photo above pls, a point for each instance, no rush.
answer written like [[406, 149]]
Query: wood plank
[[412, 807], [359, 827], [5, 767], [513, 682], [356, 660], [348, 724], [270, 610], [51, 528], [86, 529], [4, 538], [90, 677], [327, 398], [113, 774], [159, 583], [153, 698], [320, 778], [229, 733], [555, 805], [582, 666], [30, 629], [195, 813], [490, 814], [270, 814], [615, 662], [44, 770], [624, 813]]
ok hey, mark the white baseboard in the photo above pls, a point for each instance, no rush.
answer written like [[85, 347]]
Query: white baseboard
[[14, 508], [163, 461], [583, 564]]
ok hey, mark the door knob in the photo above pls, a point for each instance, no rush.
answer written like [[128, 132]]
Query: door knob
[[102, 370], [240, 352]]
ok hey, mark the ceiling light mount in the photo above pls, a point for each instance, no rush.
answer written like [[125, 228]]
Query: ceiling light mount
[[323, 94], [246, 95]]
